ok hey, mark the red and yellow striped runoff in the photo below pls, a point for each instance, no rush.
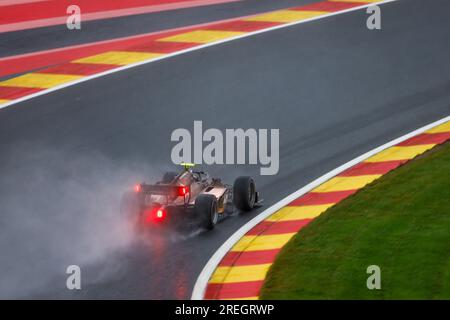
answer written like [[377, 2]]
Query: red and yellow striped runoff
[[160, 45], [241, 273]]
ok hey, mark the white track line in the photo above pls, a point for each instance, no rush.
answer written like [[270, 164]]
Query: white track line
[[4, 3], [205, 275], [98, 75]]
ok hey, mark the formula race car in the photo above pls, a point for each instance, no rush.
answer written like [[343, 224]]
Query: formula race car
[[189, 197]]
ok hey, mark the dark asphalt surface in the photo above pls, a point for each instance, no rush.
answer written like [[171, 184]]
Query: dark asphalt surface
[[25, 41], [333, 88]]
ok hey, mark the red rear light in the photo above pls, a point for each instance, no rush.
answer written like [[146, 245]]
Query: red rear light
[[153, 215], [160, 213], [183, 190], [137, 188]]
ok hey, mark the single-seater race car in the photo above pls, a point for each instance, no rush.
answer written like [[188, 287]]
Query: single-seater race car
[[189, 197]]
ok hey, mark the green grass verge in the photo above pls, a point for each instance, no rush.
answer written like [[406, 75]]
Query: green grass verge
[[401, 223]]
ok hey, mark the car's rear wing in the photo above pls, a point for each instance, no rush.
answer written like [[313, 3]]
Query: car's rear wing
[[164, 190]]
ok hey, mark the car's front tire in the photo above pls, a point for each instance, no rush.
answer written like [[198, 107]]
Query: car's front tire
[[244, 193]]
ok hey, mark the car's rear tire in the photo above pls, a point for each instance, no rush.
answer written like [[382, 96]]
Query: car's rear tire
[[168, 177], [206, 208], [244, 193]]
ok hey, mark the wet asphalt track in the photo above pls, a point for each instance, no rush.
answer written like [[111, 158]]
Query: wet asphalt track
[[333, 88]]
